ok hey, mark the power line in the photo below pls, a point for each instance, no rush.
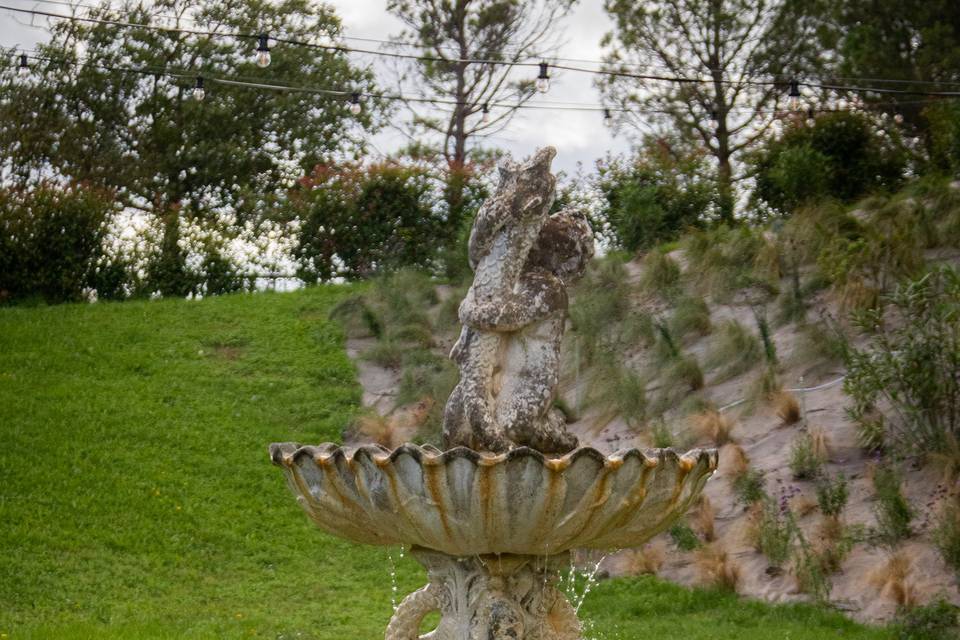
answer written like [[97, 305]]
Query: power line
[[424, 58]]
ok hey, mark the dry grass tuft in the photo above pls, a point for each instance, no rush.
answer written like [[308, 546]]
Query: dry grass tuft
[[734, 461], [702, 519], [803, 505], [716, 568], [376, 428], [820, 442], [787, 407], [750, 530], [646, 560], [714, 426], [892, 580]]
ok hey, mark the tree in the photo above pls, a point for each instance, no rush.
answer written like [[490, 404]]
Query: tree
[[897, 40], [455, 33], [723, 48], [653, 197], [142, 134]]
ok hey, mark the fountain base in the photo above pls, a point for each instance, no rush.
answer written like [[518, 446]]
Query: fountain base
[[488, 597]]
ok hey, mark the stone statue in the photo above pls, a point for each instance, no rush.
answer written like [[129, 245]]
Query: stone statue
[[514, 314]]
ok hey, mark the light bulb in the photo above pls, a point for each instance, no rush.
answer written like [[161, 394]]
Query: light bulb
[[485, 118], [898, 118], [24, 68], [607, 117], [198, 91], [355, 106], [263, 51], [543, 80], [794, 95]]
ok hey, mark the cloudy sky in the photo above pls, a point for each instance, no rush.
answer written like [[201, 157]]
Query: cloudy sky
[[578, 136]]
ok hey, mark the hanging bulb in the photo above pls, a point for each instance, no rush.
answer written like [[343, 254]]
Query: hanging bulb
[[485, 118], [794, 95], [714, 119], [263, 51], [543, 80], [355, 107], [198, 91], [842, 105], [811, 117], [24, 68], [607, 117]]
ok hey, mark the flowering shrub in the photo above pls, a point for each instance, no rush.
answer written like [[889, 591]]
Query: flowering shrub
[[50, 241]]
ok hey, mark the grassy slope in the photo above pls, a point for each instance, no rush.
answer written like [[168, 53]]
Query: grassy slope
[[137, 501]]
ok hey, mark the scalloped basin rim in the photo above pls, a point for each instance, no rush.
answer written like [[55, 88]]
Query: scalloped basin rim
[[286, 453], [463, 502]]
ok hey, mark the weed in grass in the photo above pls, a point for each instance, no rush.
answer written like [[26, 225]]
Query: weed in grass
[[713, 426], [691, 316], [939, 620], [646, 560], [787, 407], [735, 351], [750, 487], [804, 461], [661, 275], [717, 569], [893, 512], [684, 537]]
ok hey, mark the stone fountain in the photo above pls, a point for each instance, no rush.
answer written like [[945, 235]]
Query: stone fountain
[[494, 514]]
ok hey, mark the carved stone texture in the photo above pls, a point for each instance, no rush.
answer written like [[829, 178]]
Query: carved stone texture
[[513, 316], [504, 597]]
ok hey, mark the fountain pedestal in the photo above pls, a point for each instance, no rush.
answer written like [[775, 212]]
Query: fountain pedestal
[[506, 596]]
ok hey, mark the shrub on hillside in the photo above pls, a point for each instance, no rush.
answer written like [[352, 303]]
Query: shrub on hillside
[[943, 136], [50, 241], [843, 155], [654, 196], [911, 363], [360, 221]]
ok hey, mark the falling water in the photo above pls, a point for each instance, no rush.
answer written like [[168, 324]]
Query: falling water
[[591, 580], [394, 589]]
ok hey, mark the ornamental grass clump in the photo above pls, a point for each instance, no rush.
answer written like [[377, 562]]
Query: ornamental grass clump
[[734, 351]]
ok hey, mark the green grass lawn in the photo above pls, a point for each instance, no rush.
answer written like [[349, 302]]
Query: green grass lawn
[[137, 499]]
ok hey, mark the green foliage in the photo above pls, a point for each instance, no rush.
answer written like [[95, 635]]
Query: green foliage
[[727, 260], [841, 156], [911, 363], [655, 196], [620, 389], [661, 435], [604, 322], [147, 138], [735, 351], [832, 495], [360, 221], [804, 461], [749, 487], [691, 315], [809, 568], [946, 535], [661, 275], [51, 242], [938, 620], [891, 508], [684, 537], [763, 328], [943, 135], [775, 533]]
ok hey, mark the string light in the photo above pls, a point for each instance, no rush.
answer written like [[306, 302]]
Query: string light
[[485, 117], [714, 119], [198, 91], [811, 117], [24, 68], [543, 80], [355, 106], [607, 117], [794, 94], [263, 51]]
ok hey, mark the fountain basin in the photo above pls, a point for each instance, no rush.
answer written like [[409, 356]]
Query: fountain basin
[[464, 503]]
